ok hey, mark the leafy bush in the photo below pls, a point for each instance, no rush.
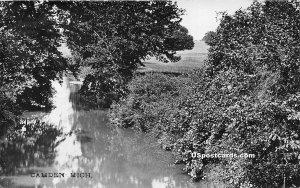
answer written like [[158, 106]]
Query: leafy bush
[[150, 96], [262, 37], [224, 114]]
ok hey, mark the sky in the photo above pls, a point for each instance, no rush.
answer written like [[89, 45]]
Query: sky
[[201, 14]]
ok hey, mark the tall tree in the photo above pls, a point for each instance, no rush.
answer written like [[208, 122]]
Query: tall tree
[[113, 39], [107, 36]]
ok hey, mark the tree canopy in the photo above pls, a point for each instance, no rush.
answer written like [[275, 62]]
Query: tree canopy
[[208, 37], [180, 40], [107, 36], [29, 56], [113, 40]]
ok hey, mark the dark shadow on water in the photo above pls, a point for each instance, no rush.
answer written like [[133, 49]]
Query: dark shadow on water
[[32, 144]]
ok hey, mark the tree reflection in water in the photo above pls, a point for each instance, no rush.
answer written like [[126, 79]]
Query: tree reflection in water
[[31, 145]]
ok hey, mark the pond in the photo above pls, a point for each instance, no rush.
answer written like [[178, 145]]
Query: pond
[[75, 147]]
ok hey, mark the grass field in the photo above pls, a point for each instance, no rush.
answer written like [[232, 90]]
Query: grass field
[[190, 59]]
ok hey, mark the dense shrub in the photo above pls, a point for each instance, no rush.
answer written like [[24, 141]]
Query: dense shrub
[[224, 114], [262, 37], [150, 96]]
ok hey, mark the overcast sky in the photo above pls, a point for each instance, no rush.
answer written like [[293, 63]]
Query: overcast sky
[[201, 14]]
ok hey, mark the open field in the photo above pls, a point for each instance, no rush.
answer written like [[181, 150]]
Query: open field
[[190, 59]]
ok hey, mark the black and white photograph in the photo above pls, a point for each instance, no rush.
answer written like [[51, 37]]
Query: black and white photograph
[[150, 94]]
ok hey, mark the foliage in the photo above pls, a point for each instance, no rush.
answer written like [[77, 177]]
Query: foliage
[[9, 113], [29, 58], [112, 43], [263, 37], [108, 37], [113, 40], [264, 41], [143, 106], [224, 114], [209, 37], [180, 40], [245, 101]]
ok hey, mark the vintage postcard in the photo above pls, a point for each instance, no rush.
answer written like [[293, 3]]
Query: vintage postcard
[[150, 94]]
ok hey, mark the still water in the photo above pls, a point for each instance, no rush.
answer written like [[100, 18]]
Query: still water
[[74, 141]]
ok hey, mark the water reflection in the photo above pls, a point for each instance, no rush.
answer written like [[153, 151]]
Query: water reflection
[[28, 148], [115, 158]]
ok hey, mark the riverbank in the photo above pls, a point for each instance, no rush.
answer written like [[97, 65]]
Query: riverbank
[[226, 114]]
